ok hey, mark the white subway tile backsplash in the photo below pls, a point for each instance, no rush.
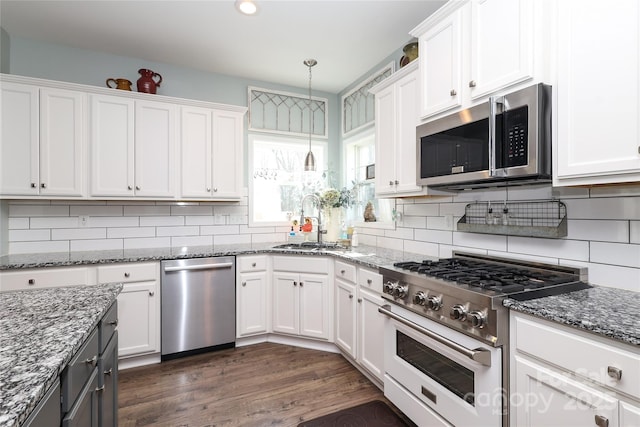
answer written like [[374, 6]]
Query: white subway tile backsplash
[[435, 236], [221, 229], [178, 231], [623, 208], [231, 210], [26, 210], [229, 239], [555, 248], [130, 232], [96, 245], [18, 223], [400, 233], [421, 248], [29, 235], [616, 191], [598, 230], [191, 210], [422, 209], [199, 220], [55, 222], [180, 241], [113, 221], [413, 221], [147, 210], [39, 247], [614, 276], [98, 210], [78, 233], [441, 223], [267, 237], [480, 241], [161, 221], [455, 209], [627, 255], [389, 243], [146, 243], [538, 192], [634, 234]]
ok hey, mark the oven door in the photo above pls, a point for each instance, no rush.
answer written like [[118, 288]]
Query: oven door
[[453, 375]]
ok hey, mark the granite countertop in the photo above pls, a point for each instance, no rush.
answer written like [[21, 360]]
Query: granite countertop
[[368, 256], [40, 331], [608, 312]]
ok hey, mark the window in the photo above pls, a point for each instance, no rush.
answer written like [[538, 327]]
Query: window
[[277, 180], [360, 152]]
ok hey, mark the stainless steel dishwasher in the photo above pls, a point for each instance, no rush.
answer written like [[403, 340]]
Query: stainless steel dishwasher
[[198, 305]]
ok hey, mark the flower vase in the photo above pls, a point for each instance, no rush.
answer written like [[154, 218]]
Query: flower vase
[[333, 224]]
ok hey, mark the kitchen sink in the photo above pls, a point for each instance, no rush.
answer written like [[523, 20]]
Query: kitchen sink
[[312, 246]]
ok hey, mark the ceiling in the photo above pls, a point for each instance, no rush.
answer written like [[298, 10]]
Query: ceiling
[[347, 37]]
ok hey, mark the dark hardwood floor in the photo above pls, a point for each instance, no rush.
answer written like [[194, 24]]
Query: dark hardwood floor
[[259, 385]]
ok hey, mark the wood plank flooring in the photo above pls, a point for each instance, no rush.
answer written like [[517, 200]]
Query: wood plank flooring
[[259, 385]]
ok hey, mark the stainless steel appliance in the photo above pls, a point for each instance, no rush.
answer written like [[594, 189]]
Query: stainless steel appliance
[[198, 305], [505, 141], [446, 352]]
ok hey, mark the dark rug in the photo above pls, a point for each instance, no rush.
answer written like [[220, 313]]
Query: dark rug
[[371, 414]]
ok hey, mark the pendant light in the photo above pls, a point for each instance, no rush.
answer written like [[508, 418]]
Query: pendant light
[[310, 161]]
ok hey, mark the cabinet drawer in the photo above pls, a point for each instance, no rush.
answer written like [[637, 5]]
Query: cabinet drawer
[[307, 264], [108, 326], [579, 354], [44, 278], [78, 371], [252, 263], [124, 273], [346, 271], [370, 279]]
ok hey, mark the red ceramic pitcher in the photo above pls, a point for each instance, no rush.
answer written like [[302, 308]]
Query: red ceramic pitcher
[[146, 82]]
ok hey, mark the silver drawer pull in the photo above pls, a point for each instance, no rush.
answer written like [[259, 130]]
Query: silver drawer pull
[[199, 267], [109, 372], [614, 372], [91, 361], [114, 322], [100, 389], [601, 421]]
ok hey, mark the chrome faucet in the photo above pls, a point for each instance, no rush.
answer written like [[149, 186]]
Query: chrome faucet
[[318, 218]]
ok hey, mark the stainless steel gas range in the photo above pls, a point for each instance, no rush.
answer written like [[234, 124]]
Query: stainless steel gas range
[[446, 339]]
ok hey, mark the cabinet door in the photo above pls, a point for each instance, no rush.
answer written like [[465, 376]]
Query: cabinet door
[[84, 412], [385, 141], [286, 306], [227, 155], [196, 140], [501, 44], [314, 306], [155, 149], [62, 142], [108, 382], [370, 340], [598, 92], [544, 397], [19, 146], [440, 66], [629, 415], [252, 303], [112, 146], [346, 317], [138, 319], [406, 120]]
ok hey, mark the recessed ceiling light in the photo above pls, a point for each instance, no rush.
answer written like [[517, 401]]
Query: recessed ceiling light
[[248, 7]]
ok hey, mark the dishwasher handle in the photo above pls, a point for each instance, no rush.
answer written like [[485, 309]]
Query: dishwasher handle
[[199, 267]]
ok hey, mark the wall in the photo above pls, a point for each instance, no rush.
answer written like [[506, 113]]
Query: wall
[[603, 230], [5, 50]]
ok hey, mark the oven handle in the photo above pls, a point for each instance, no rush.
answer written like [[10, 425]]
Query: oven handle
[[479, 355]]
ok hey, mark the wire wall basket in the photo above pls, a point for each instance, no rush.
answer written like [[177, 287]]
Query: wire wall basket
[[531, 219]]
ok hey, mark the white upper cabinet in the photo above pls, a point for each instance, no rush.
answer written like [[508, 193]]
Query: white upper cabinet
[[133, 147], [471, 49], [598, 93], [396, 106], [42, 149], [211, 147]]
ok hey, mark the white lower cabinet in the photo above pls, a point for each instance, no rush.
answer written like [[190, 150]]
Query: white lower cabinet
[[565, 377], [358, 323], [138, 306], [40, 278], [252, 296], [302, 300]]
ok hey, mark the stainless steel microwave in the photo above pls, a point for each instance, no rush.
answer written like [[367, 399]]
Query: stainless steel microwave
[[505, 141]]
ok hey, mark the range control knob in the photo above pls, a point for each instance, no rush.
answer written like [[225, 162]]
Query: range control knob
[[434, 302], [400, 291], [458, 312], [419, 298], [477, 319], [389, 286]]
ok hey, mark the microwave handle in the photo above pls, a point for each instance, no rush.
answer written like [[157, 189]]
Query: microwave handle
[[493, 115]]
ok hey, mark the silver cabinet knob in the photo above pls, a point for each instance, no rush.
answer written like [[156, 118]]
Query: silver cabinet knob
[[601, 421], [350, 296], [295, 283], [472, 83], [453, 92], [127, 274], [244, 283], [390, 182], [369, 281], [137, 187], [31, 281], [91, 361], [253, 264], [43, 185], [129, 187], [342, 271], [359, 299], [215, 189], [301, 284], [614, 372], [208, 189], [109, 372], [151, 293], [396, 182], [33, 184]]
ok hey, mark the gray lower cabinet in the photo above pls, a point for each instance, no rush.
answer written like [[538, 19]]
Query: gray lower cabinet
[[89, 392], [47, 413]]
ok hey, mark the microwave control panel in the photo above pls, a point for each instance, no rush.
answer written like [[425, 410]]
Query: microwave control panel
[[516, 137]]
